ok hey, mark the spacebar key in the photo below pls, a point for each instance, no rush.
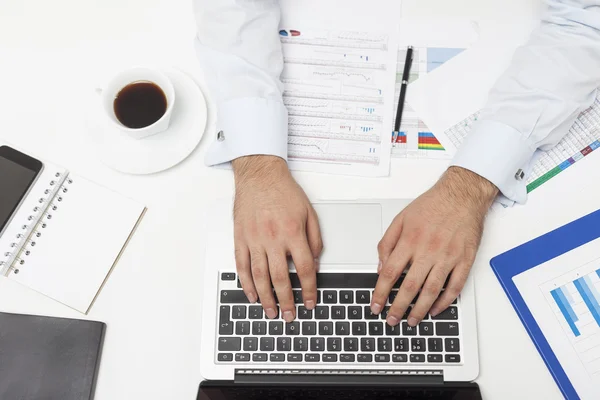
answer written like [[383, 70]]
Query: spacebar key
[[343, 281], [233, 297]]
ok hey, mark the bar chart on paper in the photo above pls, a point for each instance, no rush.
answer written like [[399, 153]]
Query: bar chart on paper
[[575, 299]]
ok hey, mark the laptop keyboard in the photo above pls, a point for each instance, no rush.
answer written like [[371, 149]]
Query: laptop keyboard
[[341, 328]]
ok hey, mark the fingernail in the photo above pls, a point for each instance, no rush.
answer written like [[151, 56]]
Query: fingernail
[[434, 312], [376, 308], [310, 304], [271, 314], [412, 321], [288, 316], [392, 321], [379, 267], [251, 298]]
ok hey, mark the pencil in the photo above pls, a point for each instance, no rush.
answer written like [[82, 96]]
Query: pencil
[[401, 100]]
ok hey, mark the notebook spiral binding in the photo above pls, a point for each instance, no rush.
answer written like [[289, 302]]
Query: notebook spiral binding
[[38, 222]]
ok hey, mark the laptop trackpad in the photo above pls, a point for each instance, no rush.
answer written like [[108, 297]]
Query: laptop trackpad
[[350, 232]]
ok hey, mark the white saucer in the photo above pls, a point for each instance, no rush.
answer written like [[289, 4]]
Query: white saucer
[[158, 152]]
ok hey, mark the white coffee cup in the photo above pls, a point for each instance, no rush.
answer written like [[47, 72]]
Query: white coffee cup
[[134, 75]]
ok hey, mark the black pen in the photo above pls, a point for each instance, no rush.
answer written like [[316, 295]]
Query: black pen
[[401, 100]]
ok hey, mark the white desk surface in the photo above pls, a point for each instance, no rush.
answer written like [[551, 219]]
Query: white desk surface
[[52, 53]]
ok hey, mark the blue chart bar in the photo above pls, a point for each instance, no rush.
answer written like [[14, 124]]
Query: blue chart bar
[[598, 272], [566, 309], [585, 290]]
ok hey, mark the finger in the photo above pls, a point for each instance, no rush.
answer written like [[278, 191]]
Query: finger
[[408, 291], [313, 233], [430, 291], [389, 275], [262, 281], [280, 276], [388, 243], [457, 281], [306, 270], [242, 264]]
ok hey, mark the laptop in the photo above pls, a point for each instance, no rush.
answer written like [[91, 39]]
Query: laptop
[[339, 349]]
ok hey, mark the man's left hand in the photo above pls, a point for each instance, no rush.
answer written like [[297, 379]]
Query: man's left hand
[[438, 234]]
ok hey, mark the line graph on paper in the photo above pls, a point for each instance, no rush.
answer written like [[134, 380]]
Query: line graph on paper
[[581, 140], [574, 298], [337, 93]]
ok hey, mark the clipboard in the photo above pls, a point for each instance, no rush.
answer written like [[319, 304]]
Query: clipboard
[[530, 255]]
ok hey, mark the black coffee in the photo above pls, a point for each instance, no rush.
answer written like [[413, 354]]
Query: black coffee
[[140, 104]]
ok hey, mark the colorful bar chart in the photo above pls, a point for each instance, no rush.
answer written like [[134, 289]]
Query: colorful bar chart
[[400, 138], [428, 141], [590, 296], [566, 309]]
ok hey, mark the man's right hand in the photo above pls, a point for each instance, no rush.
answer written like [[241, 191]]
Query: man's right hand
[[273, 219]]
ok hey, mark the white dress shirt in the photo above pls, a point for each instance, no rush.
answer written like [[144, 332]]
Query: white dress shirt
[[551, 80]]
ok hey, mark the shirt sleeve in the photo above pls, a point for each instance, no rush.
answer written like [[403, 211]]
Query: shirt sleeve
[[239, 50], [551, 80]]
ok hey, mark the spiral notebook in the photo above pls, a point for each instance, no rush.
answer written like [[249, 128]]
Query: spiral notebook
[[66, 236]]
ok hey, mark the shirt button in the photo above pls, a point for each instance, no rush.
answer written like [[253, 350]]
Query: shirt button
[[220, 136], [520, 175]]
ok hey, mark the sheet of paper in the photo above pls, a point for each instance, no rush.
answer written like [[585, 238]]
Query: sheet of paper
[[563, 296], [339, 74]]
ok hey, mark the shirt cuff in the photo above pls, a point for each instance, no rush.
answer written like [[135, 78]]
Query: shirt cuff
[[500, 154], [249, 126]]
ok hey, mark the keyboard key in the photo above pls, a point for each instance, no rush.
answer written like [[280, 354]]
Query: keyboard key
[[277, 357], [446, 328], [399, 358], [317, 344], [434, 358], [408, 330], [346, 297], [451, 313], [359, 328], [225, 357], [452, 345], [401, 344], [301, 344], [275, 328], [255, 312], [363, 297], [312, 357], [338, 312], [334, 344], [304, 313], [367, 344], [375, 328], [230, 344], [384, 312], [417, 358], [238, 312], [330, 357], [233, 297], [294, 357], [292, 328], [365, 358], [384, 344], [242, 328], [259, 357], [392, 296], [250, 344], [329, 297], [340, 280], [342, 328], [267, 344], [298, 297], [382, 358], [347, 357], [426, 329], [225, 324], [242, 357], [228, 276], [369, 314], [435, 345], [259, 328], [309, 328], [452, 358], [239, 284], [417, 345], [326, 328], [350, 344], [284, 344], [354, 312], [322, 312], [392, 330], [455, 301]]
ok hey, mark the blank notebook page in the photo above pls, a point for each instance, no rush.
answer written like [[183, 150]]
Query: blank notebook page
[[81, 241]]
